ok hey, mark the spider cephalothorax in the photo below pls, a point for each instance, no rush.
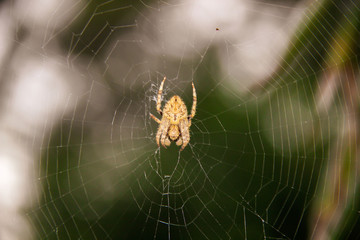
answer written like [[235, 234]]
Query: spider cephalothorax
[[175, 122]]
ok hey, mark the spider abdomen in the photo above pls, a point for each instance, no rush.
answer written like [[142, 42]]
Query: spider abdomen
[[175, 110]]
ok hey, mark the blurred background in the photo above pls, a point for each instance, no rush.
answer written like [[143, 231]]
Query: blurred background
[[274, 144]]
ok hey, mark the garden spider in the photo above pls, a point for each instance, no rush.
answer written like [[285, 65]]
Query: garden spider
[[175, 122]]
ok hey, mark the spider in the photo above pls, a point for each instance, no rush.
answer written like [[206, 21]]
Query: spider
[[175, 122]]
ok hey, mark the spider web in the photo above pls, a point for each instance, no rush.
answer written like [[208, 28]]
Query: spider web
[[262, 139]]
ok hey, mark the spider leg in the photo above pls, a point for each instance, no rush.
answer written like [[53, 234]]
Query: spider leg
[[163, 138], [184, 129], [163, 126], [163, 129], [167, 141], [155, 118], [193, 108], [158, 134], [158, 102], [179, 141]]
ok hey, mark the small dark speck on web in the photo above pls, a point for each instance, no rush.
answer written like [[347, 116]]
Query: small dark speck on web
[[217, 29]]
